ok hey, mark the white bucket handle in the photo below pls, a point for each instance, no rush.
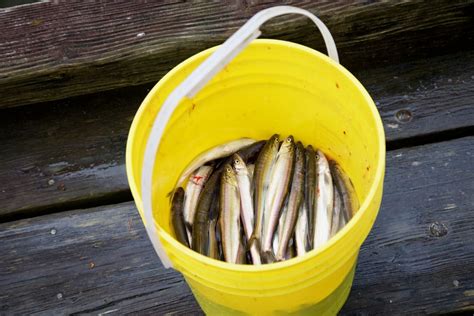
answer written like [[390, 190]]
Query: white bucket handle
[[193, 84]]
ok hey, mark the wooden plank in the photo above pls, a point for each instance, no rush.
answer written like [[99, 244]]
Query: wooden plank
[[100, 260], [54, 50], [423, 97], [418, 259], [66, 153], [84, 154]]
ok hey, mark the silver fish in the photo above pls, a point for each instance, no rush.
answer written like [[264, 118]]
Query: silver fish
[[247, 212], [295, 199], [193, 190], [177, 216], [324, 201], [261, 180], [214, 153], [230, 215], [309, 192], [346, 189], [277, 191]]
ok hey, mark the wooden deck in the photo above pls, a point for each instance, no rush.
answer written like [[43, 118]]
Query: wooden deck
[[72, 77]]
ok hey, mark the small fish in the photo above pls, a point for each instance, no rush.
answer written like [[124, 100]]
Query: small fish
[[230, 215], [177, 217], [193, 190], [302, 231], [216, 152], [277, 191], [261, 180], [247, 212], [346, 189], [213, 241], [336, 212], [309, 192], [295, 199], [324, 201], [200, 231]]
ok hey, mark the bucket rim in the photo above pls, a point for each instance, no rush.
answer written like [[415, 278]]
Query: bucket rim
[[377, 180]]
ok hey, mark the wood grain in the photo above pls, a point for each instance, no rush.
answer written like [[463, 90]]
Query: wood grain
[[70, 153], [53, 50], [66, 153], [418, 259]]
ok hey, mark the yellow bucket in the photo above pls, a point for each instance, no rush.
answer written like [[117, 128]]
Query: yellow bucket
[[270, 87]]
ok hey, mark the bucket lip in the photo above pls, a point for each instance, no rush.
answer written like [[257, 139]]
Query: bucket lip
[[378, 178]]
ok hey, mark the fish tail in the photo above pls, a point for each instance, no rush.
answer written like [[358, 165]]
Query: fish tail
[[254, 239], [268, 257]]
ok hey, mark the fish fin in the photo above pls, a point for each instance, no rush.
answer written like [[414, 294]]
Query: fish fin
[[189, 227], [253, 240], [170, 195], [279, 259]]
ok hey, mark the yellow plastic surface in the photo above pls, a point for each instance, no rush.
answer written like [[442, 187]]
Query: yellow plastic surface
[[271, 87]]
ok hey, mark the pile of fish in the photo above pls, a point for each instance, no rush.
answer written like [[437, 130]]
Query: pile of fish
[[255, 202]]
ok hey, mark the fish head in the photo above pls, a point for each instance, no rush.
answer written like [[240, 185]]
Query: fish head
[[275, 141], [238, 164], [320, 157], [228, 175], [288, 144]]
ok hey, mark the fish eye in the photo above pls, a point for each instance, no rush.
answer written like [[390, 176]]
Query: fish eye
[[316, 156], [289, 139], [236, 161]]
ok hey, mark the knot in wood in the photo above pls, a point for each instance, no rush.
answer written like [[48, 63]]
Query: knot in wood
[[438, 229], [404, 116]]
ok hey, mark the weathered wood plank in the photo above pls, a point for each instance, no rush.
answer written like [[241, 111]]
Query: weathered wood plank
[[100, 260], [423, 97], [53, 50], [419, 258], [66, 153], [79, 143]]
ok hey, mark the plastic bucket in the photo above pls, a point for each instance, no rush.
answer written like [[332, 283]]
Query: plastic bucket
[[270, 87]]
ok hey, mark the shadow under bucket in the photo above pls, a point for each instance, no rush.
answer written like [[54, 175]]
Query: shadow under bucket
[[270, 87]]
